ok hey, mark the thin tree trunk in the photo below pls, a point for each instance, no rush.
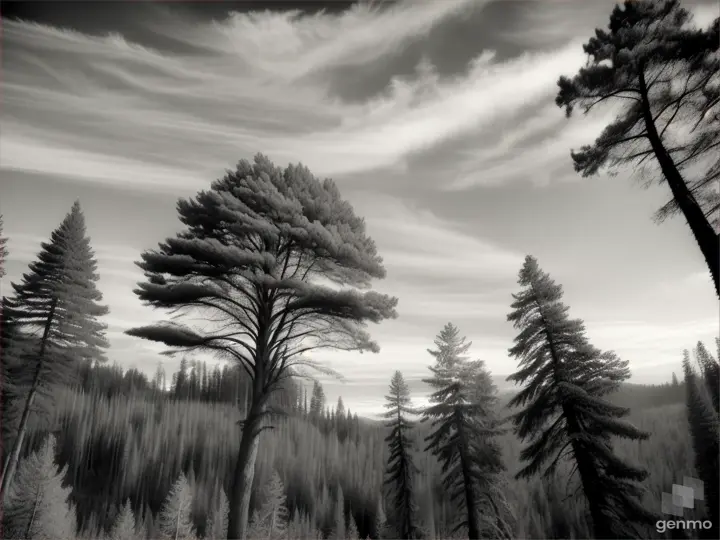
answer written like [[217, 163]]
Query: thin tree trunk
[[244, 474], [701, 228], [470, 499], [11, 464]]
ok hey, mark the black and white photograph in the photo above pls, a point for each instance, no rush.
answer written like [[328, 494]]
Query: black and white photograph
[[359, 269]]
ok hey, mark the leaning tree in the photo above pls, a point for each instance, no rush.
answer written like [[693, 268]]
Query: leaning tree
[[278, 262], [664, 77]]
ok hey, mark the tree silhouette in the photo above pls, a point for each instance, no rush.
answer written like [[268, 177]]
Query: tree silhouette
[[257, 246], [401, 469], [464, 429], [58, 299], [665, 76], [564, 380]]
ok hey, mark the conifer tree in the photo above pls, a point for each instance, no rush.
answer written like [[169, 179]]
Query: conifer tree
[[218, 522], [58, 299], [705, 432], [36, 506], [124, 527], [401, 470], [463, 437], [352, 530], [174, 520], [710, 371], [664, 75], [256, 247], [564, 381], [271, 519]]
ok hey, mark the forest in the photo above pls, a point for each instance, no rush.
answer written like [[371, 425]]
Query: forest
[[279, 266]]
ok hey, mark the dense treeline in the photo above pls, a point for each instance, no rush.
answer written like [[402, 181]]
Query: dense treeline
[[282, 266], [136, 447]]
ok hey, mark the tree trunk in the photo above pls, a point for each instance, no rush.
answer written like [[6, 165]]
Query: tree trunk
[[470, 499], [12, 461], [701, 228], [244, 474]]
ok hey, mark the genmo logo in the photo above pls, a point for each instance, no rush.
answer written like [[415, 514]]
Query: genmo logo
[[683, 496], [667, 525]]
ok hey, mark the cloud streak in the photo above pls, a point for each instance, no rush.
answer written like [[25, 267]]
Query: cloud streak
[[440, 163]]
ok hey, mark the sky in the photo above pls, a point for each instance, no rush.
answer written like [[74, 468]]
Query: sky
[[436, 120]]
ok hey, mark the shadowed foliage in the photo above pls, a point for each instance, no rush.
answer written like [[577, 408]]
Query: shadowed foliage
[[665, 77], [564, 381], [401, 470]]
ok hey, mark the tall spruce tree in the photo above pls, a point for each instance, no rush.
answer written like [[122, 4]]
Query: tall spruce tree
[[256, 248], [464, 428], [703, 417], [401, 470], [564, 380], [36, 506], [58, 299], [664, 76]]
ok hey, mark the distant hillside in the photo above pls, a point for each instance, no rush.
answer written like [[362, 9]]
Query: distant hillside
[[633, 396]]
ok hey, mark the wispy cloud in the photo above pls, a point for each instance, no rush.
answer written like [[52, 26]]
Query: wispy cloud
[[157, 107], [102, 110]]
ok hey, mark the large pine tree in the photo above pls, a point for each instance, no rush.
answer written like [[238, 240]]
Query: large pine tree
[[704, 419], [36, 505], [401, 469], [564, 414], [59, 301], [258, 249], [463, 437], [664, 75]]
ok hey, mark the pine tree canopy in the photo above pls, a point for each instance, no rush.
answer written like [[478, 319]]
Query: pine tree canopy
[[663, 76], [279, 258], [563, 415], [58, 299]]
